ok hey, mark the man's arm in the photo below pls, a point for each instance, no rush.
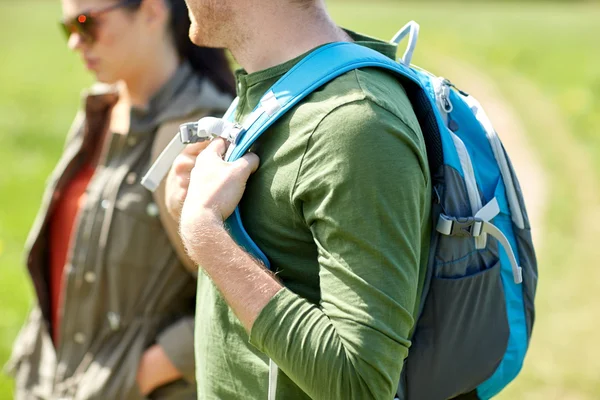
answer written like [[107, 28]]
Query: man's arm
[[215, 189], [365, 207]]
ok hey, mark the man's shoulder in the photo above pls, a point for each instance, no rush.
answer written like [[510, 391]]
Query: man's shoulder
[[385, 90], [377, 91]]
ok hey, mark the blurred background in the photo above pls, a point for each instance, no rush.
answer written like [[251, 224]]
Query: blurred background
[[535, 66]]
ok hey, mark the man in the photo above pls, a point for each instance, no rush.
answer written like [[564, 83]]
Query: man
[[340, 205]]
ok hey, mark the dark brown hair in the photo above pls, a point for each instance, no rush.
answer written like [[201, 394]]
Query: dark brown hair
[[210, 63], [206, 62]]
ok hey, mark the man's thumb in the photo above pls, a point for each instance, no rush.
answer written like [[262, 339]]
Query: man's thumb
[[249, 162]]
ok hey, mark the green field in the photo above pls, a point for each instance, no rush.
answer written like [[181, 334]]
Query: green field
[[546, 60]]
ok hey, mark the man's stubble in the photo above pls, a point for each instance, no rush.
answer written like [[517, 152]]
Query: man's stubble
[[213, 22]]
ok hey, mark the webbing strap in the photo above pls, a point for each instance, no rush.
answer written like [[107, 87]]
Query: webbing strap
[[492, 230]]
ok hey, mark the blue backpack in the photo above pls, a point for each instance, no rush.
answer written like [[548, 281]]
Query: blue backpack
[[476, 312]]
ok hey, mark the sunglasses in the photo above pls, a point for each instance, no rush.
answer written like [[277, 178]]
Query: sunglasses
[[86, 24]]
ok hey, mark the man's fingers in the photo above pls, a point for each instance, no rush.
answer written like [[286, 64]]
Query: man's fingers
[[183, 164], [193, 149], [249, 161], [218, 146]]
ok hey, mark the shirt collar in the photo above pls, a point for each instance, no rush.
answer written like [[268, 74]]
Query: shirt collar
[[251, 87]]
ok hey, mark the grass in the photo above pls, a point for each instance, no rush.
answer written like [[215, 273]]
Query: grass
[[40, 83], [546, 60]]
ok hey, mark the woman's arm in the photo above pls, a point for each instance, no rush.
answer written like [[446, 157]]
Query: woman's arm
[[155, 370], [171, 358]]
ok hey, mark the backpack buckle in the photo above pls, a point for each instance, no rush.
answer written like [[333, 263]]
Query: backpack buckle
[[207, 129], [460, 227]]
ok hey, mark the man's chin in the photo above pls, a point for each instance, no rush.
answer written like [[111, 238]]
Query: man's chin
[[195, 35], [200, 38]]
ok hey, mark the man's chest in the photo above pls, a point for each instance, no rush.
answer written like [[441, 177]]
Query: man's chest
[[273, 216]]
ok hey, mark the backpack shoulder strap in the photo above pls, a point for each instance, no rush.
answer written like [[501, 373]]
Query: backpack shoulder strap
[[315, 70]]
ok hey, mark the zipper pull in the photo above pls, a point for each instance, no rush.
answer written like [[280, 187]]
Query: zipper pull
[[452, 85], [444, 96]]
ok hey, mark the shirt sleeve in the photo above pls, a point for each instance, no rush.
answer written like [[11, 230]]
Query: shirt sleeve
[[362, 189], [177, 341]]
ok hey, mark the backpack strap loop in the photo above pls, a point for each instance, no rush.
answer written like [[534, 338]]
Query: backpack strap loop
[[411, 28]]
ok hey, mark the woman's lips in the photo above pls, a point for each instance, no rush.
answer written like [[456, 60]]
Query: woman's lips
[[90, 63]]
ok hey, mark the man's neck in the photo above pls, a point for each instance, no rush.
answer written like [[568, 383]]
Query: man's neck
[[283, 35]]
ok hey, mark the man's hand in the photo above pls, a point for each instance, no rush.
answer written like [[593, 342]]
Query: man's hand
[[155, 370], [178, 179], [215, 189]]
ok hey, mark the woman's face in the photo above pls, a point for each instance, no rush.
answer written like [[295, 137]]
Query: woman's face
[[119, 41]]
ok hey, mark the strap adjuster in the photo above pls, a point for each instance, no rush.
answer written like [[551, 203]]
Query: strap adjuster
[[461, 226], [478, 227], [207, 129]]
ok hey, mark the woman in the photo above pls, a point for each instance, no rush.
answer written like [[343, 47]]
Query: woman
[[115, 291]]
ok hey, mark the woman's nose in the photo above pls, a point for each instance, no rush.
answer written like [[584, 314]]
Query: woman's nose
[[75, 41]]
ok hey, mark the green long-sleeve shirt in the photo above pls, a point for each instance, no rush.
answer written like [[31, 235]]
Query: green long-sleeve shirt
[[340, 205]]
